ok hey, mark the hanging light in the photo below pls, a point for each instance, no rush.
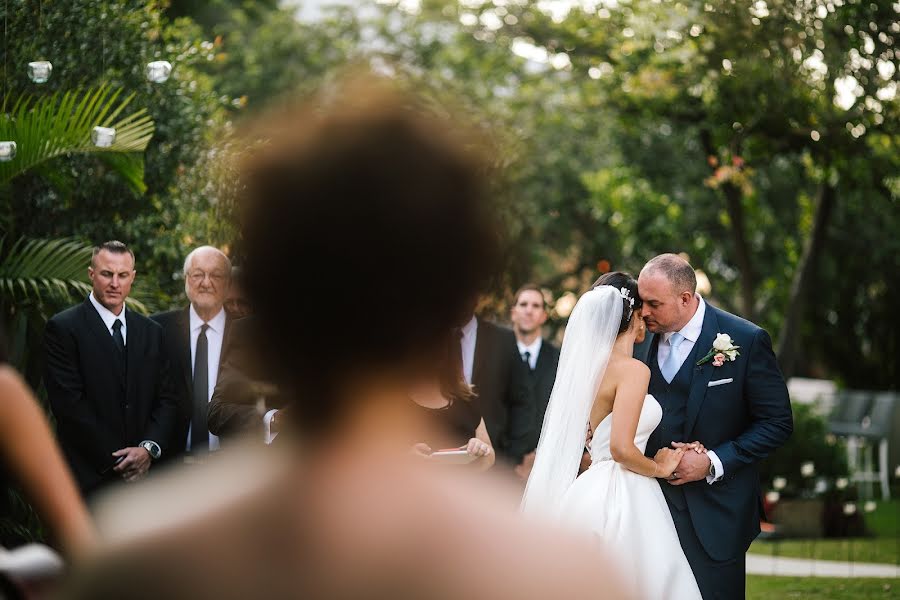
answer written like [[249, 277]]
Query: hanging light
[[103, 137], [7, 151], [39, 71], [158, 71]]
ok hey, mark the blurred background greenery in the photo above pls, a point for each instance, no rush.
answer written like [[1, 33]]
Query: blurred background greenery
[[758, 138]]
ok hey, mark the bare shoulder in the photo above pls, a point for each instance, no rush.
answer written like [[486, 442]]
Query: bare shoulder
[[633, 368]]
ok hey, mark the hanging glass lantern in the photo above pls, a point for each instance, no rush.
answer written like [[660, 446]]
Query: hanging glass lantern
[[7, 151], [39, 71], [159, 70], [103, 137]]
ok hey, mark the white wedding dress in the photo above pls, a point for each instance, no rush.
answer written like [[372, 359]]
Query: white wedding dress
[[628, 512]]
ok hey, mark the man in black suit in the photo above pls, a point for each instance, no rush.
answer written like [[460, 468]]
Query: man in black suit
[[539, 357], [106, 379], [196, 341], [489, 365]]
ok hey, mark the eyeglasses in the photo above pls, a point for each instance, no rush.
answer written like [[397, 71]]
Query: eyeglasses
[[199, 276]]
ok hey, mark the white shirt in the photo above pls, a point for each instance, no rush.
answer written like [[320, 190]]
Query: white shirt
[[109, 319], [691, 333], [533, 350], [215, 334], [470, 332]]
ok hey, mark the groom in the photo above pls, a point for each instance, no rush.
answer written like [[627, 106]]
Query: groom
[[715, 376]]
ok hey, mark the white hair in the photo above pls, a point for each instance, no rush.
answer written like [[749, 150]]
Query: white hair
[[190, 257]]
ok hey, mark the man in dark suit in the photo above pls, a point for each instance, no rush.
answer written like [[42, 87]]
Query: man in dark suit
[[490, 366], [106, 379], [717, 380], [196, 341], [246, 400], [539, 357]]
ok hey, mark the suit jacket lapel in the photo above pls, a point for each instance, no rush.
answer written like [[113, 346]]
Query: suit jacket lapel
[[651, 353], [540, 366], [482, 342], [184, 348], [703, 373], [134, 346], [98, 329], [226, 338]]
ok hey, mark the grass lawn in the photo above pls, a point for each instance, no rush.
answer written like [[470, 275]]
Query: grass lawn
[[872, 550], [884, 547], [760, 587]]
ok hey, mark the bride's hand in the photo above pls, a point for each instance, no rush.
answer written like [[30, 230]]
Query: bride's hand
[[697, 447], [667, 461]]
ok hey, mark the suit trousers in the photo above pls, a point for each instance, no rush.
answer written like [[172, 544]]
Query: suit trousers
[[718, 580]]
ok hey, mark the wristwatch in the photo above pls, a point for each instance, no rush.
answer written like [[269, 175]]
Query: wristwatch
[[712, 469], [151, 447]]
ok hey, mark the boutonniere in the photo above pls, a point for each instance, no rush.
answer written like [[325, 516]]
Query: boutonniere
[[723, 349]]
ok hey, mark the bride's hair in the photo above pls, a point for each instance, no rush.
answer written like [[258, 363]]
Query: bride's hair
[[619, 280]]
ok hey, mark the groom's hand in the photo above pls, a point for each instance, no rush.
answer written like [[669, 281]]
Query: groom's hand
[[693, 467]]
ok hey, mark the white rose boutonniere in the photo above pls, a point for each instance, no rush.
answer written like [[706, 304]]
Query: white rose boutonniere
[[723, 349]]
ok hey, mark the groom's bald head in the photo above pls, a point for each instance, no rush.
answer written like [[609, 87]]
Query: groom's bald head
[[667, 286], [678, 271]]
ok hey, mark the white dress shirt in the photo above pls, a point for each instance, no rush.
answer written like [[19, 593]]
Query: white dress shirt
[[470, 332], [532, 349], [215, 334], [691, 333], [109, 319]]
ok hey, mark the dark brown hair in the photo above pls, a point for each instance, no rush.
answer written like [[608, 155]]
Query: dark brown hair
[[530, 287], [113, 246], [367, 230], [619, 280]]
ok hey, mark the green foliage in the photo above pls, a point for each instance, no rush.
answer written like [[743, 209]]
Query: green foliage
[[615, 133], [109, 42], [50, 126], [809, 443], [36, 270]]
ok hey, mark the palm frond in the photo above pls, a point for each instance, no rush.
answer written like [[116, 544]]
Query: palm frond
[[49, 126], [42, 269]]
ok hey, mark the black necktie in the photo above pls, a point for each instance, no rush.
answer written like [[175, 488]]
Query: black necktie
[[199, 427], [117, 336], [526, 358]]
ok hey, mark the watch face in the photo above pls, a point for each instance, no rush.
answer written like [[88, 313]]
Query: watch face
[[151, 448]]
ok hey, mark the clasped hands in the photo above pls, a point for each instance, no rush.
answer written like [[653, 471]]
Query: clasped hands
[[683, 463], [134, 464]]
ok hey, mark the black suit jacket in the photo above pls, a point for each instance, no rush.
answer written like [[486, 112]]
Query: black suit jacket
[[101, 402], [540, 383], [503, 397], [176, 326], [232, 409]]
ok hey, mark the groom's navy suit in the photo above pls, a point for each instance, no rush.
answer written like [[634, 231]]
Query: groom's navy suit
[[742, 421]]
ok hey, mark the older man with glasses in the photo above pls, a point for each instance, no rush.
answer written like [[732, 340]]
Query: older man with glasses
[[196, 340]]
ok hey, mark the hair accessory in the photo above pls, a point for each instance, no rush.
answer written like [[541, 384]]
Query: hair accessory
[[626, 295]]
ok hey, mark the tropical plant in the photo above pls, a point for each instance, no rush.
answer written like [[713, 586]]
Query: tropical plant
[[38, 275], [46, 127]]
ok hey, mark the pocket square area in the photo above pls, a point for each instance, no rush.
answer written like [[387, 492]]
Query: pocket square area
[[719, 382]]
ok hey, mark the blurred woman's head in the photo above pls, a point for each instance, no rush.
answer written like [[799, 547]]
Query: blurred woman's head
[[367, 230]]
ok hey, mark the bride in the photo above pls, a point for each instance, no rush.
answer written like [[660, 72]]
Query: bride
[[617, 498]]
